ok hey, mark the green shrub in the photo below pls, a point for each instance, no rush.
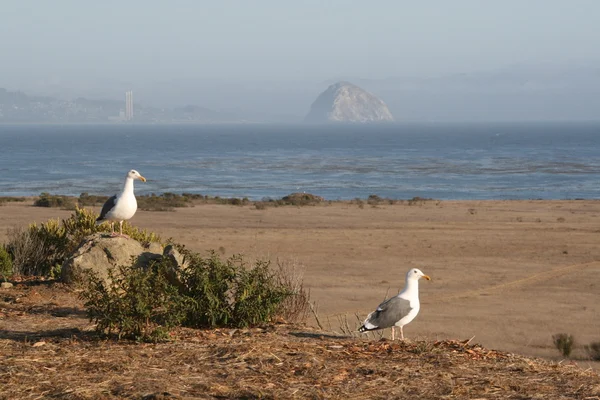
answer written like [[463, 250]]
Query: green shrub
[[231, 293], [301, 199], [50, 200], [210, 292], [374, 200], [418, 200], [257, 295], [207, 282], [564, 343], [139, 304], [593, 350], [6, 264], [194, 196], [83, 223], [260, 205]]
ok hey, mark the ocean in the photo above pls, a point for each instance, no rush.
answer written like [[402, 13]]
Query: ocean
[[399, 161]]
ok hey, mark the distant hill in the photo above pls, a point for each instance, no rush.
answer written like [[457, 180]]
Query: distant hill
[[345, 102], [18, 107]]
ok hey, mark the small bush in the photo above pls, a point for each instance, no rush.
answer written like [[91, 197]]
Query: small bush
[[417, 200], [211, 292], [49, 200], [83, 223], [374, 200], [593, 350], [139, 304], [228, 292], [37, 250], [359, 202], [6, 265], [302, 199], [194, 196], [564, 343], [290, 275]]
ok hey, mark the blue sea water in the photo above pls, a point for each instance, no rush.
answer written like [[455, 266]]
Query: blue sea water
[[441, 161]]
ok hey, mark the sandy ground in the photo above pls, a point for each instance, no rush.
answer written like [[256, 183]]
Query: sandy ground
[[510, 273]]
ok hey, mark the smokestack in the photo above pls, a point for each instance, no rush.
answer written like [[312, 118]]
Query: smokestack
[[129, 105]]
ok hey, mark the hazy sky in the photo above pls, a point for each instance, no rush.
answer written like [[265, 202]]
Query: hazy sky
[[286, 39]]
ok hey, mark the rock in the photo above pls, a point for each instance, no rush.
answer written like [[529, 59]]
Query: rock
[[99, 252], [175, 256], [178, 263], [6, 285], [345, 102]]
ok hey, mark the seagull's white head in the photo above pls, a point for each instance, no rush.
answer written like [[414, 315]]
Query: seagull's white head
[[416, 274], [133, 174]]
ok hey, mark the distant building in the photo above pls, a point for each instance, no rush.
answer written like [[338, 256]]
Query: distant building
[[129, 105]]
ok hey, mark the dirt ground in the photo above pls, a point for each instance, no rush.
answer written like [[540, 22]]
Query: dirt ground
[[47, 351], [509, 273]]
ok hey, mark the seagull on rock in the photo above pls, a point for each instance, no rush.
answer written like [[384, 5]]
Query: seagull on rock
[[400, 309], [122, 206]]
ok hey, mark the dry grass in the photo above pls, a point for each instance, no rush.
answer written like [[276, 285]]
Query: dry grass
[[29, 251], [47, 350]]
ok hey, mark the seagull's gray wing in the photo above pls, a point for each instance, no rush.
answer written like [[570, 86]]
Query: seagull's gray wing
[[388, 313], [110, 203]]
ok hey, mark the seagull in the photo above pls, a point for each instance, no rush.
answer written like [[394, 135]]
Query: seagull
[[398, 310], [121, 206]]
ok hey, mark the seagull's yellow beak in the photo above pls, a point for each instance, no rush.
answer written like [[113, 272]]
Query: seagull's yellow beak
[[426, 277], [141, 178]]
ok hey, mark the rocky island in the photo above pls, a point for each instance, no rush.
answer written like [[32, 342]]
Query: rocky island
[[345, 102]]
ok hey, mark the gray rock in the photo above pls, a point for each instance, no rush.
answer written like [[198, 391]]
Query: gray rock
[[6, 285], [99, 252], [345, 102], [178, 263]]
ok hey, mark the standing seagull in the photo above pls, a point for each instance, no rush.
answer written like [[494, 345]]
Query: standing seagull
[[400, 309], [121, 206]]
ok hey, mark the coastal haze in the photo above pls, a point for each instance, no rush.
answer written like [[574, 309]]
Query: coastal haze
[[268, 61]]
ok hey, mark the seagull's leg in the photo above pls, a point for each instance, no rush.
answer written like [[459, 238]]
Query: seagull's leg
[[112, 229], [393, 328], [121, 230], [401, 333]]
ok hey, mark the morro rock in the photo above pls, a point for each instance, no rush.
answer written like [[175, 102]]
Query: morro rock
[[345, 102]]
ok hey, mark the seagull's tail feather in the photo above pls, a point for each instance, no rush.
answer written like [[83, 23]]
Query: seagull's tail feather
[[367, 327]]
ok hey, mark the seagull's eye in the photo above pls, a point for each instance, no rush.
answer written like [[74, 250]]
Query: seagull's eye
[[415, 272]]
